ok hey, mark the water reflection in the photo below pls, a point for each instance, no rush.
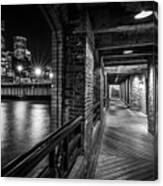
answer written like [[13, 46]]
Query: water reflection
[[24, 123]]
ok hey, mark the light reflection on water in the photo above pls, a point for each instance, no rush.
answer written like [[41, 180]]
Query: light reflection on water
[[23, 124]]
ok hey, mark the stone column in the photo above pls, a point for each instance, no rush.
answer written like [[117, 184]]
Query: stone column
[[106, 90], [151, 89], [152, 108]]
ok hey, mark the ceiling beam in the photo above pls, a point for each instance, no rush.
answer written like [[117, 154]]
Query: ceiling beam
[[127, 73], [128, 46], [123, 57], [118, 39], [127, 28], [126, 62]]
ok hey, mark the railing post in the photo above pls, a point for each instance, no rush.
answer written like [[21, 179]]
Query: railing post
[[51, 164], [66, 157], [82, 136]]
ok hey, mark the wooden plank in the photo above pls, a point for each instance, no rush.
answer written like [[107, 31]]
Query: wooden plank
[[124, 154], [128, 28], [126, 62], [127, 56], [128, 46]]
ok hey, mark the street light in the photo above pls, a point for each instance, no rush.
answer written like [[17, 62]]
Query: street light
[[19, 68], [51, 75], [38, 71], [127, 51], [143, 14]]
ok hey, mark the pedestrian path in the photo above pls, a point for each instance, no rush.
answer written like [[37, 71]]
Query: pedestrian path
[[127, 147]]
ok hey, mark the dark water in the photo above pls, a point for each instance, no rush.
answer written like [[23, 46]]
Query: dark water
[[23, 124]]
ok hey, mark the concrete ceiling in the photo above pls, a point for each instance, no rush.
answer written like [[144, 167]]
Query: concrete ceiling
[[116, 30]]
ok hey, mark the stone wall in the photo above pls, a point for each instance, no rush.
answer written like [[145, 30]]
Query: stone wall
[[137, 92], [133, 92]]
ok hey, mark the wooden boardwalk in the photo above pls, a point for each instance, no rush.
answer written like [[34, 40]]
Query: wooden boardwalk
[[127, 148]]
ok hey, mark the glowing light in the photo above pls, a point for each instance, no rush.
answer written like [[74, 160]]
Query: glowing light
[[38, 71], [19, 68], [127, 51], [51, 75], [143, 14]]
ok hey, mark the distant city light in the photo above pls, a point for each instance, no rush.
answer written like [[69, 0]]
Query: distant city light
[[143, 14], [51, 75], [19, 68], [38, 71], [127, 51]]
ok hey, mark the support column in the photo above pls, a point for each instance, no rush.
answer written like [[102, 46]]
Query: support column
[[108, 94], [106, 90], [152, 108], [151, 89], [56, 91]]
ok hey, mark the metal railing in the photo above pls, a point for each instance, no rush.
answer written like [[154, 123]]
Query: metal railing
[[62, 148]]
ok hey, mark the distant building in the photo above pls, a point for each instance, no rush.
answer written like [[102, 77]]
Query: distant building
[[2, 35], [22, 56], [7, 72], [11, 60], [3, 53], [20, 47], [28, 55]]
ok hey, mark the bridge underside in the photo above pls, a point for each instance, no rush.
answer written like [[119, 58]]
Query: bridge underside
[[90, 69]]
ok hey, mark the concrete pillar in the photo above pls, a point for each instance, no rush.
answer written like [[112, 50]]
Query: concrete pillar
[[151, 89], [106, 90], [152, 108], [108, 95]]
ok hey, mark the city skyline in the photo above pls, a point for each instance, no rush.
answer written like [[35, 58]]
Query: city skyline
[[19, 22]]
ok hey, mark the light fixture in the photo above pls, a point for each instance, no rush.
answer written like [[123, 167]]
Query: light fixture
[[143, 14], [38, 71], [51, 75], [19, 68], [127, 51]]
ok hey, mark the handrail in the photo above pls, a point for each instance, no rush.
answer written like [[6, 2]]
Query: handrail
[[25, 162], [30, 84]]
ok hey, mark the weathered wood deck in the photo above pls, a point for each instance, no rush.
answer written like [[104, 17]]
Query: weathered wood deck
[[127, 148]]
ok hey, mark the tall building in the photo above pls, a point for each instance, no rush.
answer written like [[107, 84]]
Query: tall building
[[22, 57], [2, 35], [3, 53], [20, 46]]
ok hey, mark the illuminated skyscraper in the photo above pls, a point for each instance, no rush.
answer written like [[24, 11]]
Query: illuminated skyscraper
[[2, 36], [20, 46]]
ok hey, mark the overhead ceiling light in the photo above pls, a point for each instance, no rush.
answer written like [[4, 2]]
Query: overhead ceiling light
[[143, 14], [127, 51]]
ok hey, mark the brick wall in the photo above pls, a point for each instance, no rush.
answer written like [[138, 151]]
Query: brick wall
[[56, 91], [74, 71], [74, 85], [133, 92], [137, 92]]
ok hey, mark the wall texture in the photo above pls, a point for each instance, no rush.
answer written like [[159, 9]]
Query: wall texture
[[137, 92], [133, 92]]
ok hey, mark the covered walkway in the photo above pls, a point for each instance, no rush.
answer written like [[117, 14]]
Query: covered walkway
[[127, 147], [99, 51]]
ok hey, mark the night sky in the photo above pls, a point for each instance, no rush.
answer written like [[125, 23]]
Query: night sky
[[27, 21]]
